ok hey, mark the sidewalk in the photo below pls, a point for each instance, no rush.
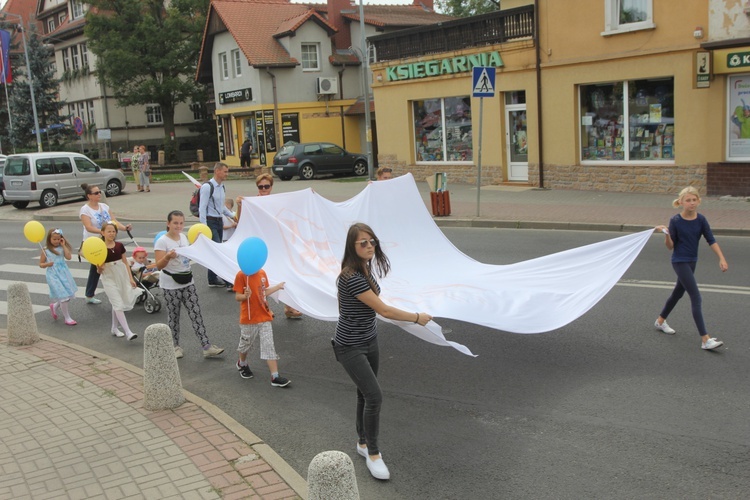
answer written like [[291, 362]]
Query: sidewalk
[[72, 425], [505, 206]]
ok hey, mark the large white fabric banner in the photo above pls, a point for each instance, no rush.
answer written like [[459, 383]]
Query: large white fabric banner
[[305, 234]]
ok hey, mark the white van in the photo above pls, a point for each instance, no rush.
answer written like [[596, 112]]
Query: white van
[[49, 177]]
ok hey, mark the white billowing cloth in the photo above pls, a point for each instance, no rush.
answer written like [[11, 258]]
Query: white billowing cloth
[[306, 233]]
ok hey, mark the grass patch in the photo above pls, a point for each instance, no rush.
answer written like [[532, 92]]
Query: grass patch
[[351, 179]]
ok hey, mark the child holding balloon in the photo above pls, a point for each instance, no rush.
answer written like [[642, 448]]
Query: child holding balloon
[[251, 291], [62, 286], [118, 281]]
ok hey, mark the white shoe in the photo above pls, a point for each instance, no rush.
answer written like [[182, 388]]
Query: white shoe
[[117, 333], [711, 344], [362, 451], [664, 327], [132, 336], [178, 352], [378, 468]]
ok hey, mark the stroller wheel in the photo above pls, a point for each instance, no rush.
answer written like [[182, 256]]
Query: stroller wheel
[[151, 305], [140, 298], [158, 305]]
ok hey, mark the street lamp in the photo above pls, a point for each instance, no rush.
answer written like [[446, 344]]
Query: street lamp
[[31, 84], [366, 87]]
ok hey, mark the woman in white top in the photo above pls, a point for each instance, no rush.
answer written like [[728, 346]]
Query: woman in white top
[[93, 216], [176, 282]]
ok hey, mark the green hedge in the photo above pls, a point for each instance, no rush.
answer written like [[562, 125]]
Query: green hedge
[[107, 163]]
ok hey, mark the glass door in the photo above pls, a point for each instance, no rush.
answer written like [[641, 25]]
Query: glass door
[[517, 142]]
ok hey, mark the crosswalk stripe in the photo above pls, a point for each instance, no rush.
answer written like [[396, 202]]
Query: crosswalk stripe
[[38, 271], [34, 307], [39, 288]]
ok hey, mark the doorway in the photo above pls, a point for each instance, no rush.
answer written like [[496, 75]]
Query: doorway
[[516, 139]]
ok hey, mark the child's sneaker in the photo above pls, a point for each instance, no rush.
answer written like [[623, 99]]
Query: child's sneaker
[[280, 381], [711, 344], [212, 351], [245, 371], [664, 327]]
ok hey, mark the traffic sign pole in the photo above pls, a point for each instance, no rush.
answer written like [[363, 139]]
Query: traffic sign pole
[[482, 85], [479, 154]]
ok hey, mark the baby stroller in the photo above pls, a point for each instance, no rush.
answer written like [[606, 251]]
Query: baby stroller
[[150, 302]]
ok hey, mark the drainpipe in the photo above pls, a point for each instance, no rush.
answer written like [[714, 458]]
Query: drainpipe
[[539, 93], [341, 108], [275, 111]]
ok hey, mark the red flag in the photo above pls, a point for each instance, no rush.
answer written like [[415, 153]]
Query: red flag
[[5, 71]]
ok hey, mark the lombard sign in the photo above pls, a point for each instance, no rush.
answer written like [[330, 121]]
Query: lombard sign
[[446, 66], [235, 96], [738, 59]]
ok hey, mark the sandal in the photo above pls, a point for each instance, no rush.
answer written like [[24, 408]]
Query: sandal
[[292, 313]]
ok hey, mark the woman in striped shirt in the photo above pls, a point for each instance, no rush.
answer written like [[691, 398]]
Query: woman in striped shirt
[[356, 343]]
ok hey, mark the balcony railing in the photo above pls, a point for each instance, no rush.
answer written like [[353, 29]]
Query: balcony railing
[[486, 29]]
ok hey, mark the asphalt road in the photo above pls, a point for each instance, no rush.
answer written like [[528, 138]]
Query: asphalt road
[[604, 408]]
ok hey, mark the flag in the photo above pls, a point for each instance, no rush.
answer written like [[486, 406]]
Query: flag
[[5, 73]]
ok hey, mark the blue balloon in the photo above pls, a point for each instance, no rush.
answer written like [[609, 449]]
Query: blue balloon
[[251, 255], [159, 235]]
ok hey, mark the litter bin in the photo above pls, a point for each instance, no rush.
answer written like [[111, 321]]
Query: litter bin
[[439, 195]]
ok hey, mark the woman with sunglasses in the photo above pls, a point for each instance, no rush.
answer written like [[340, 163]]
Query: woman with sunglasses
[[264, 182], [94, 215], [356, 341]]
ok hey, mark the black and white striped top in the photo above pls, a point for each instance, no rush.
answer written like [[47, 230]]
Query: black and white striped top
[[357, 324]]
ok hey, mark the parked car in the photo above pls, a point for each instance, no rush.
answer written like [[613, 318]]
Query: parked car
[[309, 159], [49, 177]]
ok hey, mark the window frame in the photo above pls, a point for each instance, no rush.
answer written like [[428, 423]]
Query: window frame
[[444, 125], [75, 57], [65, 59], [612, 24], [236, 63], [84, 56], [223, 66], [306, 61], [50, 24], [76, 9], [153, 111]]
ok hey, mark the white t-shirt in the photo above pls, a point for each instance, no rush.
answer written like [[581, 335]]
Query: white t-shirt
[[98, 218], [179, 264]]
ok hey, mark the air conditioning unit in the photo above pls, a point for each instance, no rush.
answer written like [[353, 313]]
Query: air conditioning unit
[[327, 85]]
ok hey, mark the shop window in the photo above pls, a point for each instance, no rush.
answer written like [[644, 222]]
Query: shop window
[[738, 138], [628, 121], [442, 130], [228, 143], [627, 15], [310, 59]]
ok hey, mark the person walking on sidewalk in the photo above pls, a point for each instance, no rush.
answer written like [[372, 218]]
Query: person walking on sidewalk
[[355, 343], [682, 237], [255, 320], [119, 284], [176, 282], [135, 168], [211, 211], [62, 286], [144, 166], [93, 215]]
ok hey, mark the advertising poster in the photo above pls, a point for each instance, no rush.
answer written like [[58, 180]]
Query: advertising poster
[[739, 118], [270, 122], [290, 127], [261, 137]]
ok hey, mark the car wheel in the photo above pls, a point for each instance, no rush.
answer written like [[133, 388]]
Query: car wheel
[[113, 188], [48, 199], [2, 200], [360, 167], [306, 172], [285, 177], [20, 204]]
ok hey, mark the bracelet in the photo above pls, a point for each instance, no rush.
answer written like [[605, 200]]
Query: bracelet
[[417, 321]]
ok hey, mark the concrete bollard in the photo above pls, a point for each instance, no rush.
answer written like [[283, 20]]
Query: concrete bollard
[[162, 386], [331, 477], [21, 321]]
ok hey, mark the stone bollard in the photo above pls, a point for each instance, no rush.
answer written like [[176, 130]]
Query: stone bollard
[[162, 387], [331, 477], [203, 173], [199, 153], [21, 321]]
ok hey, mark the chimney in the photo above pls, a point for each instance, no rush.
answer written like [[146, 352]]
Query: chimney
[[342, 39], [427, 4]]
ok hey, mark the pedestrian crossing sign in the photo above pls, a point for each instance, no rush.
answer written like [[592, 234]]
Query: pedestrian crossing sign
[[483, 81]]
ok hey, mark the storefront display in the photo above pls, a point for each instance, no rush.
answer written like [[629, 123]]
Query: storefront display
[[646, 135], [442, 130]]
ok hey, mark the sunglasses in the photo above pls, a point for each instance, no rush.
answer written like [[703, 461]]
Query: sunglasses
[[364, 243], [264, 186], [95, 192]]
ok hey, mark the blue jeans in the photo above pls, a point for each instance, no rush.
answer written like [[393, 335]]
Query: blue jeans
[[361, 363], [92, 282], [686, 282], [217, 233]]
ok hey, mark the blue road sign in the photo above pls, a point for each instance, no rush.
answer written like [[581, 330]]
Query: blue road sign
[[483, 81], [78, 125]]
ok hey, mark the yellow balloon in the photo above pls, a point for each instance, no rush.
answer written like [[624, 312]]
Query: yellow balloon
[[34, 231], [94, 250], [197, 229]]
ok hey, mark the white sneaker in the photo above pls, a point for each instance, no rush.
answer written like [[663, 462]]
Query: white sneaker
[[664, 327], [212, 351], [117, 333], [711, 344], [378, 468], [178, 352], [362, 451]]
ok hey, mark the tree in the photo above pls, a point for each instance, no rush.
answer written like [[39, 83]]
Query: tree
[[147, 52], [46, 94], [466, 8]]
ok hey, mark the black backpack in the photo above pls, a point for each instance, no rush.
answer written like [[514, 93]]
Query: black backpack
[[195, 200]]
